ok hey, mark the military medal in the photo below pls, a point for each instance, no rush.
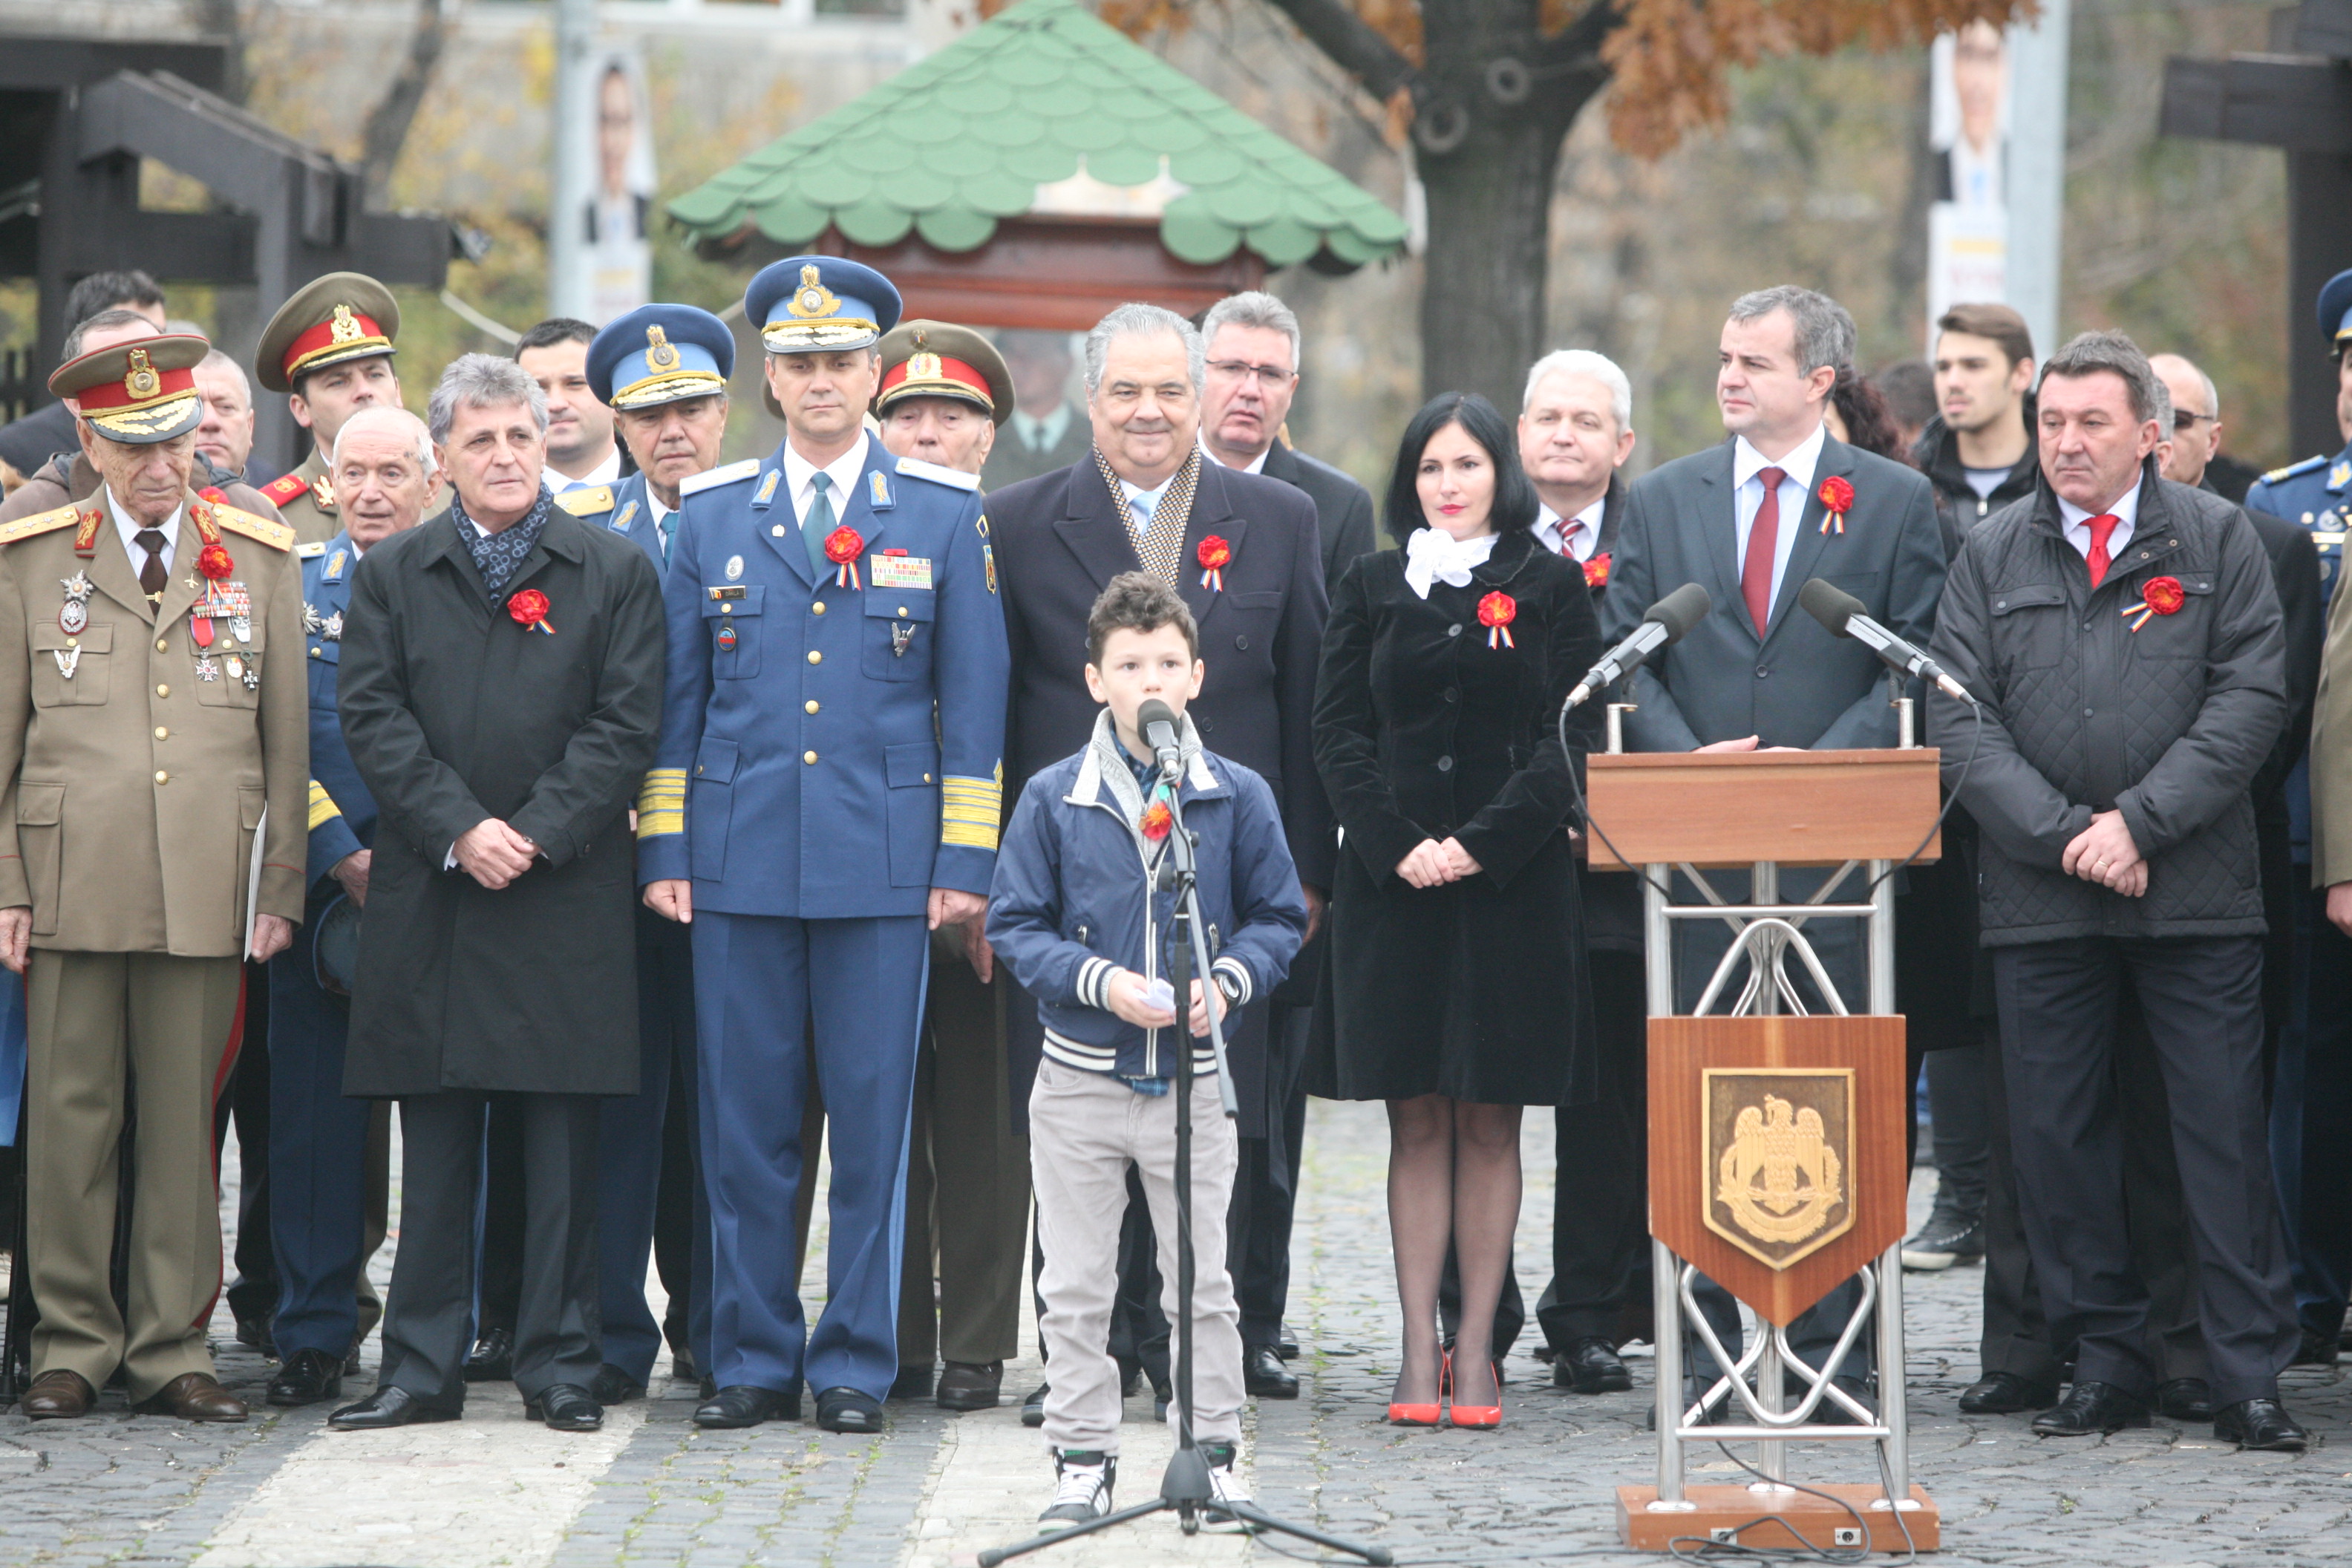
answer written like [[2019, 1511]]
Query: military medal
[[311, 624], [75, 616], [252, 673], [900, 636], [241, 627], [331, 628], [207, 667], [236, 666], [69, 661]]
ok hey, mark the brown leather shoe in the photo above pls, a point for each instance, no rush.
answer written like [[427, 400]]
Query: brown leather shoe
[[195, 1396], [59, 1396]]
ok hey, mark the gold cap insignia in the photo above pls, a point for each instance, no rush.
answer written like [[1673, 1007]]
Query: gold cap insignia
[[659, 353], [812, 299], [346, 330], [923, 367], [142, 381]]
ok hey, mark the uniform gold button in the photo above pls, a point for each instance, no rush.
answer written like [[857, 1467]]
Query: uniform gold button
[[817, 608], [163, 692], [314, 652], [162, 733], [779, 529], [811, 705], [927, 778], [161, 646], [816, 656], [725, 609], [808, 756], [902, 609], [162, 777], [73, 642]]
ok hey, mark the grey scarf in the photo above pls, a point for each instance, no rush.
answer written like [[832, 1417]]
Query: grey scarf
[[498, 556]]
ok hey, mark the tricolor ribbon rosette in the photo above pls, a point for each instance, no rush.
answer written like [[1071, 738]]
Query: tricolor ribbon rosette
[[1497, 611], [2158, 596], [842, 546], [1214, 556], [1837, 499], [1596, 570], [1157, 819], [529, 610], [214, 562]]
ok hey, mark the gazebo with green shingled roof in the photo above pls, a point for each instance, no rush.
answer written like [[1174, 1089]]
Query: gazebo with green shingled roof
[[1034, 173]]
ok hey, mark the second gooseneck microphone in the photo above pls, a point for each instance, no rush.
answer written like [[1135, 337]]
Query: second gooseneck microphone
[[1663, 623], [1847, 616]]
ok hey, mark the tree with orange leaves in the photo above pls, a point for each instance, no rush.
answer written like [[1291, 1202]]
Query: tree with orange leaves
[[1488, 90]]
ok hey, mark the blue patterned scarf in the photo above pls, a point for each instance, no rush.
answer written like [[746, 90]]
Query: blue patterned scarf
[[498, 556]]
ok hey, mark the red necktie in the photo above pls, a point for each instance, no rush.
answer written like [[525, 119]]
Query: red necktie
[[2101, 527], [1763, 543]]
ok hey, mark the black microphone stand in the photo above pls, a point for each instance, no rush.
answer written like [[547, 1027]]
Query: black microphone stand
[[1185, 1486]]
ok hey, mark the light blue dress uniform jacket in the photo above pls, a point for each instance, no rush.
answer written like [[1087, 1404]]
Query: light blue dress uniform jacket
[[342, 812], [623, 507], [829, 752]]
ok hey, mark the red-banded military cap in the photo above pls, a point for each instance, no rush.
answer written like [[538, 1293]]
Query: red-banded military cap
[[939, 359], [137, 393], [341, 317]]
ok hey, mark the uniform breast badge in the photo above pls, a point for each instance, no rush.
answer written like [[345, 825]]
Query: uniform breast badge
[[311, 622], [208, 667], [331, 628], [74, 616], [901, 633], [69, 661]]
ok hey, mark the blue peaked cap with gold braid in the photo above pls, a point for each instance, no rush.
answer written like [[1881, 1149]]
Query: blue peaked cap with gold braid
[[815, 304], [661, 353]]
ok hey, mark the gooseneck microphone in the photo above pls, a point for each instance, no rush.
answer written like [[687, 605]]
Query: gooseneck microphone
[[1156, 721], [1663, 623], [1846, 616]]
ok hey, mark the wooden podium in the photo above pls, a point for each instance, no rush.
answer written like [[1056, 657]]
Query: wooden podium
[[1777, 1143]]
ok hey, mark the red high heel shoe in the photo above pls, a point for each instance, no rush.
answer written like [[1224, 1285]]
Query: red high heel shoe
[[1480, 1417], [1426, 1415]]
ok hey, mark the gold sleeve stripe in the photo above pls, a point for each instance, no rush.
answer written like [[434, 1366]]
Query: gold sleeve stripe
[[322, 807], [969, 834], [661, 803]]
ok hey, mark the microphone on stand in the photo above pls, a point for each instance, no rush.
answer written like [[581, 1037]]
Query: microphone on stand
[[1156, 722], [1846, 616], [1663, 623]]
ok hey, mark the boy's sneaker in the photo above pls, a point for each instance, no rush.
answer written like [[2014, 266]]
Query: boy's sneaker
[[1082, 1481], [1225, 1486], [1946, 1239]]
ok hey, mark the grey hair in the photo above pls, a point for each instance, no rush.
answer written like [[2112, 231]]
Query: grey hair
[[407, 423], [1136, 320], [1253, 307], [1584, 361], [482, 381], [216, 360], [2088, 353], [1825, 331]]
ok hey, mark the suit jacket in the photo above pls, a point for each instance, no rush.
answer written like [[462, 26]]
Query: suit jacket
[[1343, 509], [1009, 462], [1612, 900], [454, 712], [1790, 683], [1060, 540]]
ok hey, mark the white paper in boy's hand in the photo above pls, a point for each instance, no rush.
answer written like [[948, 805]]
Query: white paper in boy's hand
[[1158, 994]]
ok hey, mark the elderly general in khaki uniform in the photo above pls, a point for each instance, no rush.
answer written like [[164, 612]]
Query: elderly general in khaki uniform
[[154, 759]]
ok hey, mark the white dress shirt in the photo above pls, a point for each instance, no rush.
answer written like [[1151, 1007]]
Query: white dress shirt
[[2077, 523], [1254, 466], [1149, 498], [129, 527], [1578, 538], [800, 477], [1747, 498], [1038, 432], [604, 473]]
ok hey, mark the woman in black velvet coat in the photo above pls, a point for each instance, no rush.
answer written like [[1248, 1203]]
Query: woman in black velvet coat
[[1454, 989]]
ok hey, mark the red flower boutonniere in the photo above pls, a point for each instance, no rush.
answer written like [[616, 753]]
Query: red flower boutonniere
[[1837, 499], [529, 609], [1497, 611], [842, 546], [1215, 555], [2158, 596], [1157, 820], [214, 561], [1596, 570]]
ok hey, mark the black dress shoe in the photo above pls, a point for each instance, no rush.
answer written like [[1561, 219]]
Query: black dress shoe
[[2089, 1410], [254, 1334], [1591, 1365], [748, 1405], [2185, 1399], [2006, 1393], [1830, 1413], [1287, 1347], [681, 1364], [707, 1389], [307, 1378], [2316, 1350], [492, 1358], [388, 1408], [970, 1386], [2260, 1424], [611, 1386], [352, 1361], [1032, 1406], [566, 1407], [848, 1410], [1264, 1374], [912, 1383]]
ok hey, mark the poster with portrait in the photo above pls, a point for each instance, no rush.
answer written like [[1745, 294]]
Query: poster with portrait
[[619, 215], [1968, 128]]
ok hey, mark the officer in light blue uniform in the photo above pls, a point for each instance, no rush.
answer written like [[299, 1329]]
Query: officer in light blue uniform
[[828, 788], [663, 370]]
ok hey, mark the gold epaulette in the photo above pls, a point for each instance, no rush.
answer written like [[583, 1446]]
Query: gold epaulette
[[581, 503], [38, 523], [276, 535]]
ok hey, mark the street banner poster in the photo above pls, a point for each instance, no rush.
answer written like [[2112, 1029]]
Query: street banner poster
[[617, 220], [1968, 128]]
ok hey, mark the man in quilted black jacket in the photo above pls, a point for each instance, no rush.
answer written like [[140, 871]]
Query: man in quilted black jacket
[[2124, 637]]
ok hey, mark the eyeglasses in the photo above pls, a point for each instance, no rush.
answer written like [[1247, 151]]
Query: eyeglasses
[[1270, 377], [2184, 420]]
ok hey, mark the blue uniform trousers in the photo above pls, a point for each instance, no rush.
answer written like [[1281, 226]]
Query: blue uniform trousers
[[628, 1177], [758, 981], [318, 1158]]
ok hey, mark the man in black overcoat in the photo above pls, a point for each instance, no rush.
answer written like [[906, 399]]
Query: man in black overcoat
[[501, 689]]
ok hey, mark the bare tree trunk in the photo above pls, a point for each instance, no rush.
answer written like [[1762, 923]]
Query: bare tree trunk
[[387, 123]]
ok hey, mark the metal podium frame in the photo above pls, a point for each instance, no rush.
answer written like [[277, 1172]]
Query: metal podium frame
[[1768, 930]]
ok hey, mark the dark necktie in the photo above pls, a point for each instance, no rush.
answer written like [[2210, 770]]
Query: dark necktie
[[1763, 543], [818, 526], [152, 576], [2102, 527], [667, 526]]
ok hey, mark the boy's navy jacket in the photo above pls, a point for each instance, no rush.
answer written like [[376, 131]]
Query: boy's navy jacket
[[1073, 898]]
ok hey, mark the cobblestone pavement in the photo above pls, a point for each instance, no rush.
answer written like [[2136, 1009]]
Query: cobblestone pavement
[[280, 1492]]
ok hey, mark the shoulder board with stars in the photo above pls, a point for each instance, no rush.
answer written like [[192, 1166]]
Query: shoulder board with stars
[[285, 488], [725, 474], [312, 551], [954, 479], [2275, 475], [276, 535], [26, 527], [589, 498]]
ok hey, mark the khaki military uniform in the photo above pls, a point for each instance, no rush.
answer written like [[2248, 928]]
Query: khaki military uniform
[[306, 500], [59, 483], [138, 789]]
